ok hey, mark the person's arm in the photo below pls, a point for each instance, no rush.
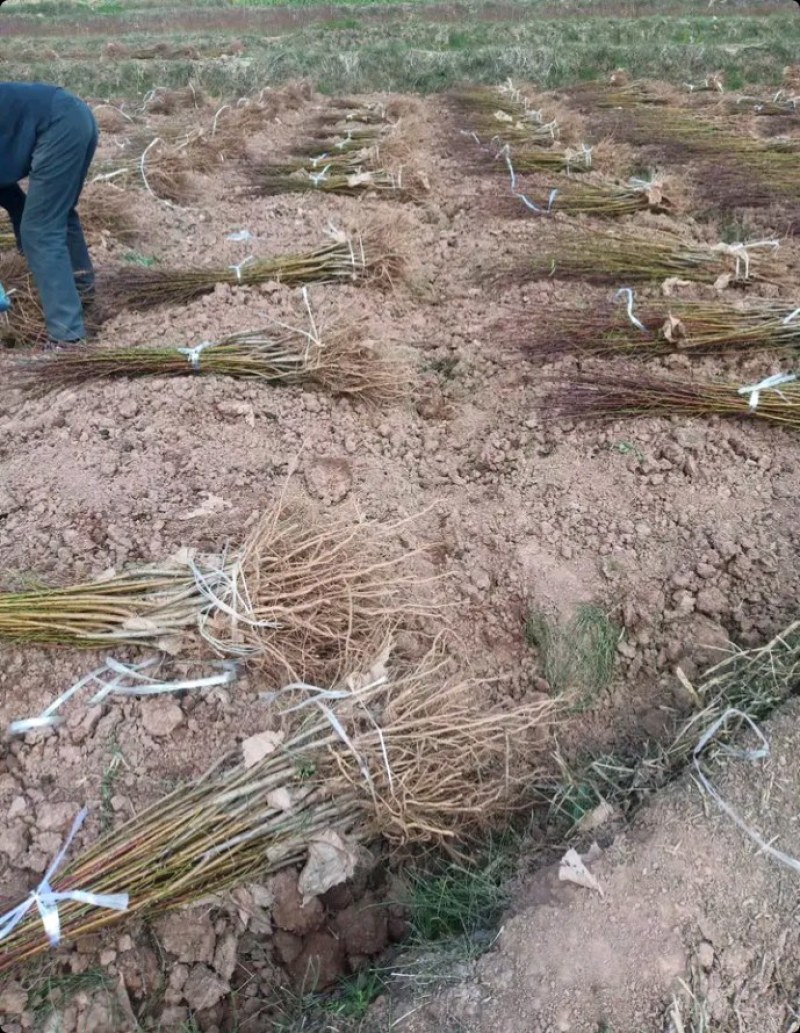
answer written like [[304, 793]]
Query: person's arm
[[12, 198]]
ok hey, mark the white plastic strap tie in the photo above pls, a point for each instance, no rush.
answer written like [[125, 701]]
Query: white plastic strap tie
[[240, 236], [506, 153], [535, 207], [583, 156], [791, 317], [193, 354], [46, 900], [760, 753], [318, 159], [741, 252], [770, 384], [319, 177], [119, 684], [223, 594], [148, 686], [628, 293], [353, 256], [238, 268], [317, 696]]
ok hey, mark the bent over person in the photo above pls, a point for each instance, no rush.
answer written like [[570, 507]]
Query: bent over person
[[49, 136]]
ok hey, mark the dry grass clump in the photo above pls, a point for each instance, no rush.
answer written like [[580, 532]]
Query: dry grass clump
[[613, 258], [753, 682], [339, 362], [302, 599], [110, 118], [613, 395], [162, 101], [665, 327], [372, 255], [108, 211], [164, 168], [403, 753]]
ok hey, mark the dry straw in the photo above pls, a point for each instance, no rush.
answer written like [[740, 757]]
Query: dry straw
[[108, 211], [300, 599], [409, 756], [751, 682], [654, 328], [604, 395]]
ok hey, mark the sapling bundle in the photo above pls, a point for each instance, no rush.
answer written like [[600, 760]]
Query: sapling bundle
[[347, 172], [777, 105], [320, 164], [345, 142], [570, 160], [612, 258], [761, 176], [575, 198], [655, 328], [604, 395], [7, 239], [371, 116], [502, 115], [336, 361], [300, 599], [369, 256], [406, 754], [326, 181], [23, 324], [620, 94]]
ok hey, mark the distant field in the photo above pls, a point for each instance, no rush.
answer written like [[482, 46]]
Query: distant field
[[410, 46]]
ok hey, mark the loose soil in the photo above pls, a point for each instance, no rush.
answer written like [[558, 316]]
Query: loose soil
[[684, 531], [695, 929]]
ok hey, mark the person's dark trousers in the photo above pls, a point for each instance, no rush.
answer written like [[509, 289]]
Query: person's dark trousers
[[50, 232]]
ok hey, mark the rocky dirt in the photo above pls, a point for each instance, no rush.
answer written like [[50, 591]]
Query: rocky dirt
[[684, 531]]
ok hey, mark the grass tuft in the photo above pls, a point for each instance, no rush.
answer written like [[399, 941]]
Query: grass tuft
[[454, 899], [577, 657]]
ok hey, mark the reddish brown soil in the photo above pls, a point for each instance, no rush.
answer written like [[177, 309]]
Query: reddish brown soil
[[684, 529]]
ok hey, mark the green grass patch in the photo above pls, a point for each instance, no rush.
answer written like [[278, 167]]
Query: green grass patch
[[577, 657], [50, 993], [407, 47], [449, 899]]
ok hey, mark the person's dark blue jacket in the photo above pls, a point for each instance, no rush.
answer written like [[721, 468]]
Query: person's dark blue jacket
[[26, 109]]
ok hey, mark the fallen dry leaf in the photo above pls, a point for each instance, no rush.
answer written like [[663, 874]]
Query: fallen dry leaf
[[258, 746], [572, 869]]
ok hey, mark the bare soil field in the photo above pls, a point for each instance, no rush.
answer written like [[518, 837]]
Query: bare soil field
[[679, 531]]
